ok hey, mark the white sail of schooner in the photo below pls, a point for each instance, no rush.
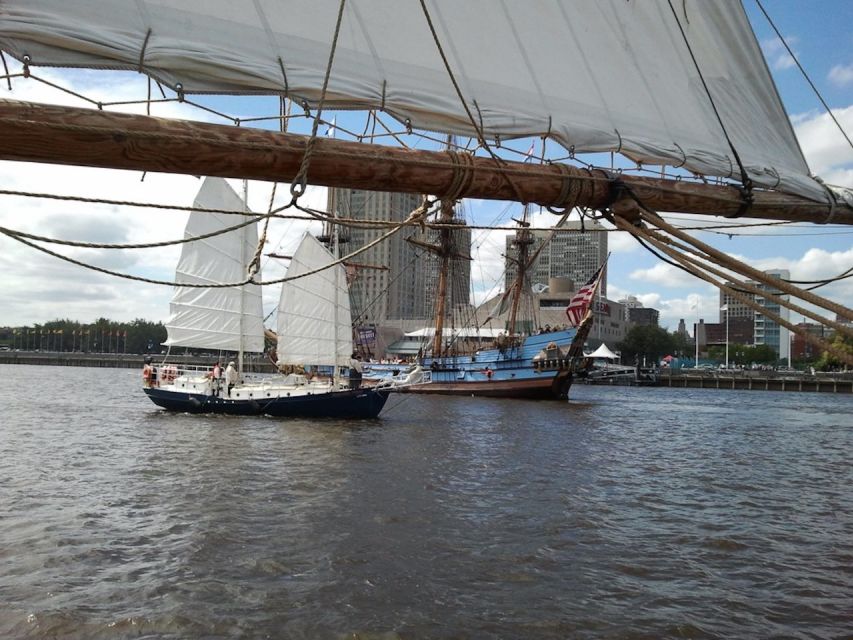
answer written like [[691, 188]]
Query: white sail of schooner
[[313, 320], [225, 319]]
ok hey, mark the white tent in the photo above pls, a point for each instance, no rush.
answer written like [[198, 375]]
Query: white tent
[[603, 352]]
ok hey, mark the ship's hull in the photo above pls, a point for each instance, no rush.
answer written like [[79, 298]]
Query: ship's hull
[[534, 368], [543, 387], [354, 403]]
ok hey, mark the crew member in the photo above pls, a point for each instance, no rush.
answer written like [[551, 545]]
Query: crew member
[[355, 371], [147, 373], [231, 377], [215, 378]]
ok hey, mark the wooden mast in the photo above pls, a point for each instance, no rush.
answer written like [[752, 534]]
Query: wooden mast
[[523, 240], [86, 137], [444, 251]]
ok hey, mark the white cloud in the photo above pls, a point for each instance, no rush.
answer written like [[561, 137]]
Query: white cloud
[[841, 75], [826, 150], [776, 53], [664, 274]]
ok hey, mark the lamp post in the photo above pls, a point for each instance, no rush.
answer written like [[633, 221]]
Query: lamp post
[[696, 333], [725, 308]]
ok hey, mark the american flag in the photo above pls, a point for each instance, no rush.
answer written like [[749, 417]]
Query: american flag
[[579, 304]]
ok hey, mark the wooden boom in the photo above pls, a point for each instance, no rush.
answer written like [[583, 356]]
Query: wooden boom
[[87, 137]]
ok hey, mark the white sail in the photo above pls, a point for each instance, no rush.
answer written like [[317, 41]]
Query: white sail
[[314, 321], [221, 318], [602, 75]]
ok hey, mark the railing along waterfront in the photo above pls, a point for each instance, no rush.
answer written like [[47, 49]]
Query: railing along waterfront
[[253, 363], [764, 380]]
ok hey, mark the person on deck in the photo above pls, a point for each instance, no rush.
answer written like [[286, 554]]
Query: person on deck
[[216, 378], [355, 371], [147, 373], [231, 377]]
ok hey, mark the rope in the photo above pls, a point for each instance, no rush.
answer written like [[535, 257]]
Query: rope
[[480, 135], [725, 260], [13, 233], [744, 286], [255, 264], [735, 294], [805, 75], [746, 193], [16, 236], [300, 181]]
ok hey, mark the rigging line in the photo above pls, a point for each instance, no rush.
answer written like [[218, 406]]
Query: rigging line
[[255, 264], [729, 225], [117, 274], [149, 245], [6, 69], [766, 235], [724, 260], [124, 203], [745, 286], [128, 276], [775, 317], [300, 181], [744, 176], [727, 262], [412, 216], [480, 134], [805, 75], [697, 269]]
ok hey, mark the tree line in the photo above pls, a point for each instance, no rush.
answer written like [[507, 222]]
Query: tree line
[[654, 343], [101, 336]]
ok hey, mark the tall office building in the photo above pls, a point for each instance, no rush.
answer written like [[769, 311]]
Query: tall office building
[[768, 331], [765, 330], [573, 252], [405, 289]]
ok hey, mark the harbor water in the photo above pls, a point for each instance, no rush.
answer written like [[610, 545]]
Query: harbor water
[[624, 513]]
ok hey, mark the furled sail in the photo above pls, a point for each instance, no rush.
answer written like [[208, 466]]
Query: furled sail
[[231, 318], [314, 321], [607, 75]]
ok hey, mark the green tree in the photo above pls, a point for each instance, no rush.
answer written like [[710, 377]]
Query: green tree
[[649, 342], [830, 360]]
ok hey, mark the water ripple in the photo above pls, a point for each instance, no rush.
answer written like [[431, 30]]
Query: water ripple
[[627, 513]]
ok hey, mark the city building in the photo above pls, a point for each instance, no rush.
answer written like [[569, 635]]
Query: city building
[[394, 283], [643, 316], [766, 331], [574, 252]]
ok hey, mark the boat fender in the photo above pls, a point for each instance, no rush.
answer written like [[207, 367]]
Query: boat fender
[[194, 403]]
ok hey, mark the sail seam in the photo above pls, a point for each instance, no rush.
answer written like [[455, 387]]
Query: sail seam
[[457, 88], [746, 181]]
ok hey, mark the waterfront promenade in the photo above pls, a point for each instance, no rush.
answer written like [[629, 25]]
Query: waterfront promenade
[[253, 363], [830, 382], [823, 382]]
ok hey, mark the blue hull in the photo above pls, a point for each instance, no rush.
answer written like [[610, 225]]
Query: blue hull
[[355, 403], [505, 373]]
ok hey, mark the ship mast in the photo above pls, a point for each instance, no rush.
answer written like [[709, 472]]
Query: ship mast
[[523, 240]]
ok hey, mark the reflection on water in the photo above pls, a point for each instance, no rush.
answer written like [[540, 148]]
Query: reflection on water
[[624, 513]]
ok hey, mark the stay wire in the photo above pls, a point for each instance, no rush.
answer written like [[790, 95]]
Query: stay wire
[[805, 75]]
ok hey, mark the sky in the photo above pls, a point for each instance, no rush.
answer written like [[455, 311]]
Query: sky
[[36, 288]]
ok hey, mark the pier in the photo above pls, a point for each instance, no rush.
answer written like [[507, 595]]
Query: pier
[[253, 363], [831, 382]]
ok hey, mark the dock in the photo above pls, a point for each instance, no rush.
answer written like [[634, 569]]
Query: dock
[[819, 382], [253, 363]]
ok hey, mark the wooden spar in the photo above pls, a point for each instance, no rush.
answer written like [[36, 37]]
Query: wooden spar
[[523, 240], [443, 275], [86, 137]]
